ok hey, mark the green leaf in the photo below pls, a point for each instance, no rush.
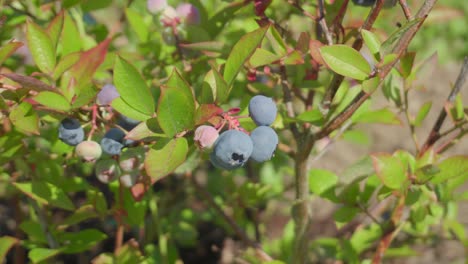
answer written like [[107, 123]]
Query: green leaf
[[346, 61], [41, 47], [132, 87], [390, 170], [37, 255], [451, 168], [312, 116], [365, 238], [372, 42], [243, 49], [83, 213], [54, 29], [6, 243], [383, 116], [176, 107], [52, 100], [345, 214], [370, 85], [46, 193], [122, 107], [322, 183], [406, 64], [7, 49], [137, 23], [165, 156], [357, 137], [422, 113], [71, 38], [65, 63], [262, 57], [219, 87], [391, 42], [80, 241], [25, 119]]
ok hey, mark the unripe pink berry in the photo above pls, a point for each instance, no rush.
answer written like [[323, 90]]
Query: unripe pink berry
[[155, 6], [88, 150], [129, 179], [107, 94], [107, 170], [205, 136], [188, 13]]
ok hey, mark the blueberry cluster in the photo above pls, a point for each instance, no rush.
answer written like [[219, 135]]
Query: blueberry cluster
[[123, 164], [233, 148]]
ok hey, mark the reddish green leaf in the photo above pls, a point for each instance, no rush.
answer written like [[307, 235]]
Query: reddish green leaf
[[46, 194], [132, 87], [346, 61], [241, 52], [422, 113], [7, 49], [406, 64], [384, 116], [30, 83], [83, 71], [450, 168], [41, 47], [293, 58], [6, 243], [52, 100], [176, 108], [54, 29], [262, 57], [165, 156], [390, 170], [25, 119], [205, 112]]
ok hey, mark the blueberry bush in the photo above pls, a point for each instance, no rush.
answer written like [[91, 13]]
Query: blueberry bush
[[154, 131]]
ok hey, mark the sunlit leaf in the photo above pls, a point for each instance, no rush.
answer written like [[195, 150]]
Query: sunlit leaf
[[243, 49], [165, 156], [346, 61], [132, 87], [41, 47]]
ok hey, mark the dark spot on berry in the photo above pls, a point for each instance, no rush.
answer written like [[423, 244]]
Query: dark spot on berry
[[237, 157]]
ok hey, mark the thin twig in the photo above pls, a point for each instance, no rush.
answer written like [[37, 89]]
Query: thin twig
[[406, 9], [44, 225], [287, 96], [434, 135], [323, 23], [357, 45], [399, 49], [239, 232]]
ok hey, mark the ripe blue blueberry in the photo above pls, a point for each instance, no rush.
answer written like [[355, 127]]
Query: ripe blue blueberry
[[231, 150], [127, 123], [264, 140], [71, 132], [262, 110], [112, 143]]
